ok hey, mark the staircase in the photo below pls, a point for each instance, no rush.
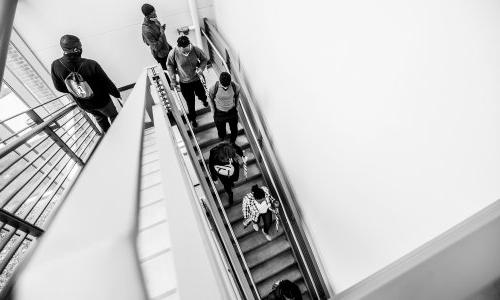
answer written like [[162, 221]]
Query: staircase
[[268, 261]]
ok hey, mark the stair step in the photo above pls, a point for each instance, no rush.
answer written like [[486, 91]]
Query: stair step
[[273, 266], [211, 139], [291, 273], [257, 239], [267, 251]]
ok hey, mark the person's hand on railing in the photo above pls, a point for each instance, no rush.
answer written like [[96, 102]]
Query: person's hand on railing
[[174, 85], [199, 72]]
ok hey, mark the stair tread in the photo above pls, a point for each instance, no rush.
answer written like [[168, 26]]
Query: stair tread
[[273, 266], [206, 144], [267, 251], [291, 273], [209, 137], [257, 239]]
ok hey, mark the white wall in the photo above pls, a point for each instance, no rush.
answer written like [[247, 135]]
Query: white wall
[[110, 31], [396, 107]]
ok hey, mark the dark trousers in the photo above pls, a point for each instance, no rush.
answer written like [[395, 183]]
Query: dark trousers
[[267, 218], [163, 62], [228, 182], [189, 90], [102, 114], [222, 118]]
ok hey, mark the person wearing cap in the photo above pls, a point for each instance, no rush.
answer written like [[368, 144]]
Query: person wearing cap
[[224, 97], [100, 104], [189, 62], [153, 35]]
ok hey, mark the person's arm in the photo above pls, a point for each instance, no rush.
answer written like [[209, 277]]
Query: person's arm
[[150, 39], [211, 94], [211, 165], [171, 67], [202, 57], [103, 77], [238, 149], [58, 83], [245, 207]]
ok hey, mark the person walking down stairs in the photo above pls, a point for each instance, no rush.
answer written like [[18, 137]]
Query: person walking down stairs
[[224, 97], [224, 164], [258, 205], [189, 62]]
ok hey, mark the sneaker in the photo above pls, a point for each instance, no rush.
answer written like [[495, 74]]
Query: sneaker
[[267, 236], [255, 227], [194, 124], [205, 103]]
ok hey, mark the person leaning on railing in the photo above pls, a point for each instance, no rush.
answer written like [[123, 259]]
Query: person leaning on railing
[[95, 100]]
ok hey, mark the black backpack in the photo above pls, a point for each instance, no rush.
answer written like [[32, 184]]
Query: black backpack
[[76, 85]]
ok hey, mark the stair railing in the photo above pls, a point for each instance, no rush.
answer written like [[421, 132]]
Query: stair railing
[[38, 165], [179, 113], [299, 243]]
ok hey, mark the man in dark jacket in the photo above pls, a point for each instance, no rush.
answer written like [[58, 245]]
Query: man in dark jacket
[[224, 164], [153, 34], [100, 104]]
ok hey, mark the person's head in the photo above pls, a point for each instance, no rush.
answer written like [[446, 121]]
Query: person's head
[[257, 192], [225, 79], [71, 45], [288, 289], [149, 11], [184, 45]]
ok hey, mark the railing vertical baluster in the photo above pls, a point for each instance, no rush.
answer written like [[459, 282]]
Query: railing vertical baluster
[[50, 132]]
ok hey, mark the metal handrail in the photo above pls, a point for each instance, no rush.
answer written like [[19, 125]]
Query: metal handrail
[[264, 160], [37, 129], [55, 193], [11, 196], [41, 180], [219, 201], [33, 108], [33, 147]]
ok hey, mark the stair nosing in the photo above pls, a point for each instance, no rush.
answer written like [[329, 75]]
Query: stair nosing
[[288, 247]]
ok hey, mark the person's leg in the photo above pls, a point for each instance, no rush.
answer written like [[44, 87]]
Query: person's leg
[[101, 119], [268, 221], [163, 62], [233, 126], [200, 92], [227, 183], [221, 128], [187, 91], [109, 111]]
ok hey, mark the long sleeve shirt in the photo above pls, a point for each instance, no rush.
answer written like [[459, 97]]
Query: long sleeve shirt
[[153, 36], [185, 66]]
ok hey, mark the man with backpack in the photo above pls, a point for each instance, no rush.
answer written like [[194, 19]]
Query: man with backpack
[[224, 164], [153, 35], [189, 62], [224, 97], [85, 80]]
